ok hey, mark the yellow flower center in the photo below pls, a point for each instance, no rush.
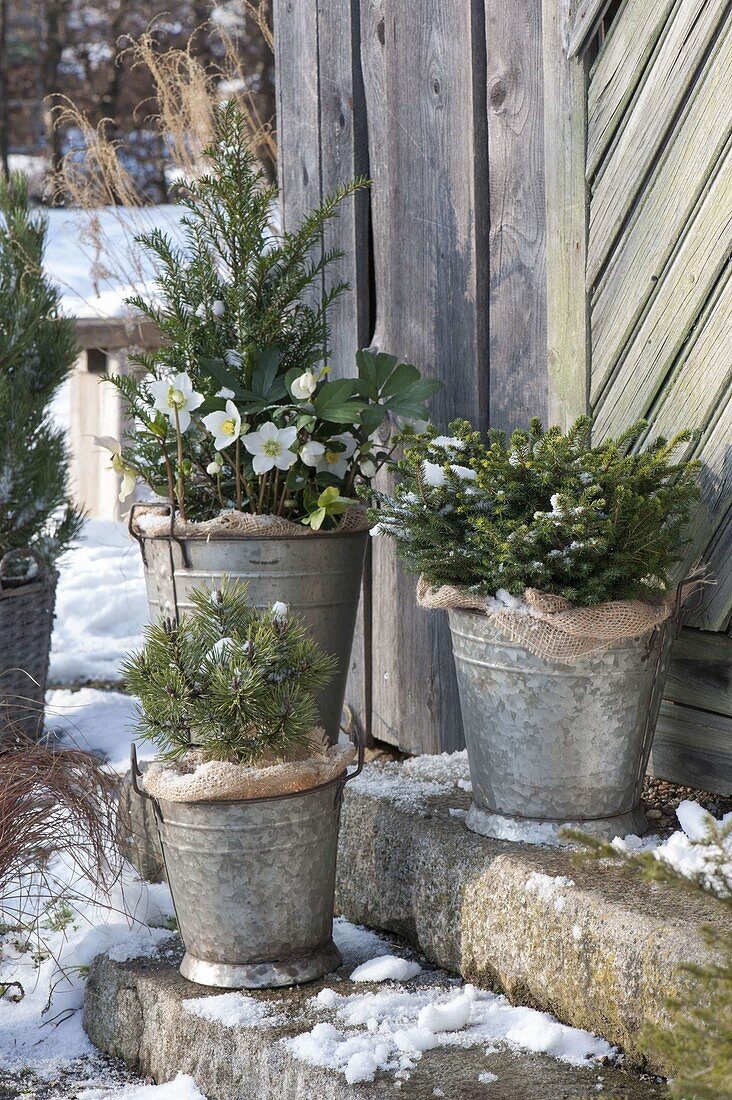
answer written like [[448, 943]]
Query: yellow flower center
[[331, 457], [229, 426], [176, 398], [273, 448]]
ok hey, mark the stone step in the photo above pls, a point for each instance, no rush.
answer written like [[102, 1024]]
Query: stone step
[[140, 1010], [601, 954]]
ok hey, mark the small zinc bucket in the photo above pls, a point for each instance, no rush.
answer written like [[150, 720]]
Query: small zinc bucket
[[551, 742], [26, 623], [317, 575], [253, 883]]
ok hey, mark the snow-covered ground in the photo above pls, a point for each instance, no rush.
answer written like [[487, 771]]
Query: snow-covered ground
[[101, 605]]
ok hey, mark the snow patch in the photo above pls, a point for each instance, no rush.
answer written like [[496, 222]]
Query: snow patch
[[409, 784], [182, 1087], [233, 1010], [549, 888], [386, 968]]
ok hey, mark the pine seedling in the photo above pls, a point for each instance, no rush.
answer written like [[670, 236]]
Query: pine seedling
[[235, 682]]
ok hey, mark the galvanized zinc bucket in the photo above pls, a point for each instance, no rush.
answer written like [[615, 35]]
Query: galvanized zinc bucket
[[317, 575], [253, 882], [552, 742]]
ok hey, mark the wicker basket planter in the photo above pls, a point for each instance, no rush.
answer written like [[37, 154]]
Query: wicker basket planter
[[26, 622]]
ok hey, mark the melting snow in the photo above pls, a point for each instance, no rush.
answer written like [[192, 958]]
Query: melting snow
[[234, 1010], [182, 1087], [549, 888], [43, 1030], [390, 1029], [386, 968], [691, 851]]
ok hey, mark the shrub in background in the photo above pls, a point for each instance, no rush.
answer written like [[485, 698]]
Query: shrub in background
[[37, 353]]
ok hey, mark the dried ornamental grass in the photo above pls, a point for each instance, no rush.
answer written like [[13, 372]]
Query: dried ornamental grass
[[53, 802]]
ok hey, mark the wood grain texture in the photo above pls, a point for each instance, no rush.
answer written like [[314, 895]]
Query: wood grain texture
[[662, 92], [699, 396], [424, 79], [565, 133], [693, 747], [321, 137], [673, 310], [583, 23], [679, 180], [618, 69], [701, 672], [517, 336]]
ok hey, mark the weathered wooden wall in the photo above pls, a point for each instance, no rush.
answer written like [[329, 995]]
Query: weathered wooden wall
[[657, 194], [548, 230], [448, 271]]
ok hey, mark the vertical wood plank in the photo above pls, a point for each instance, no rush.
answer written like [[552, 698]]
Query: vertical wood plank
[[518, 334], [565, 137], [321, 141], [344, 155], [424, 74]]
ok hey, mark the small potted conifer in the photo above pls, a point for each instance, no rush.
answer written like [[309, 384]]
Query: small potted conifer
[[246, 790], [237, 425], [553, 559], [37, 519]]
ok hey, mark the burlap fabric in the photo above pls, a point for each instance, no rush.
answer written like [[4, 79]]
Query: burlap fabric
[[549, 626], [234, 524], [197, 780]]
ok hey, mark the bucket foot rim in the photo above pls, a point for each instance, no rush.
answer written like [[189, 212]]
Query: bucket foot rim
[[264, 975], [499, 826]]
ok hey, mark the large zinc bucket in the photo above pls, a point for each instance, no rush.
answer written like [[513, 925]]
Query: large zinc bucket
[[554, 742], [252, 883], [317, 575]]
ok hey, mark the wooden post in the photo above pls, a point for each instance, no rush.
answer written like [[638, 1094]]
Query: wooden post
[[322, 144], [565, 138]]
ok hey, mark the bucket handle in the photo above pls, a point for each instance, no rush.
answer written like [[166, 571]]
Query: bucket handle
[[136, 774], [167, 510], [356, 736], [20, 554]]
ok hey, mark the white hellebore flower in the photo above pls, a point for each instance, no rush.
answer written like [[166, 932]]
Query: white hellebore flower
[[368, 468], [271, 447], [224, 426], [128, 475], [215, 467], [331, 462], [304, 386], [176, 395], [312, 452]]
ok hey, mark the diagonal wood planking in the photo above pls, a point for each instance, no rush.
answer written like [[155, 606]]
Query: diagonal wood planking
[[618, 71], [637, 266], [661, 93]]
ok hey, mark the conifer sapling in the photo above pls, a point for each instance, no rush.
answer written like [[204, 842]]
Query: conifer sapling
[[37, 352], [234, 682], [543, 510]]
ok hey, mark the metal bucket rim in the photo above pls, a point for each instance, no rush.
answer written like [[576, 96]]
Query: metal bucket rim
[[342, 779], [233, 536]]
